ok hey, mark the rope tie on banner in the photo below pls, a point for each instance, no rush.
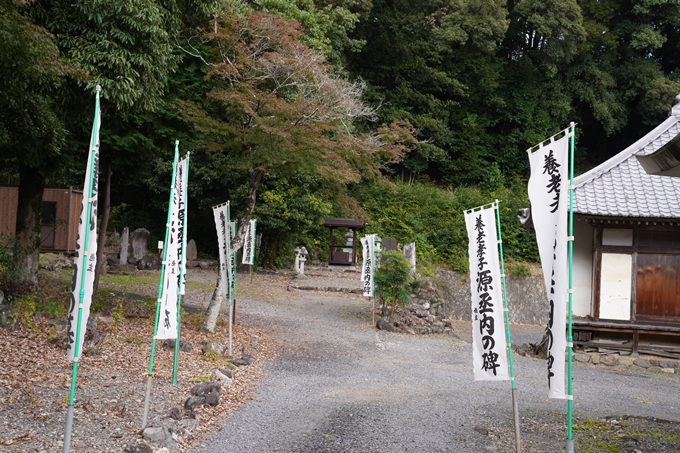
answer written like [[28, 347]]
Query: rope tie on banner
[[570, 238], [569, 397], [502, 275], [570, 344]]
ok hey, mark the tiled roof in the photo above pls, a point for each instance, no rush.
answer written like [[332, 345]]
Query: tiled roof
[[620, 187]]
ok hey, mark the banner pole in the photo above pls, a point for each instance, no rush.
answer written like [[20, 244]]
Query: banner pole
[[230, 276], [76, 346], [234, 262], [373, 272], [570, 338], [182, 267], [160, 293], [252, 256], [515, 410]]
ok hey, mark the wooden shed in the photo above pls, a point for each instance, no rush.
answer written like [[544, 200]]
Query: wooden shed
[[60, 216], [344, 254], [627, 250]]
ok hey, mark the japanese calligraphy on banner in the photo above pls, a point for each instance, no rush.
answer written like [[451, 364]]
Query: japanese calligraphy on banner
[[82, 261], [489, 348], [548, 194], [368, 246], [174, 256], [233, 227], [221, 215], [249, 244]]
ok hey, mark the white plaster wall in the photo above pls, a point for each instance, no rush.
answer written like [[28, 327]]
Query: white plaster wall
[[615, 286], [583, 269]]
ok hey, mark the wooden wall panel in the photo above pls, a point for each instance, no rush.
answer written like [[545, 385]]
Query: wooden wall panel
[[67, 214], [60, 196], [657, 295], [9, 199]]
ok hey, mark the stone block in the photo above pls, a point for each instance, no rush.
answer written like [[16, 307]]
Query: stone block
[[609, 360], [643, 363]]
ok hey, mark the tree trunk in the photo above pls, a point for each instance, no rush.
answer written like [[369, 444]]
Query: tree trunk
[[103, 225], [29, 223], [394, 308], [213, 310]]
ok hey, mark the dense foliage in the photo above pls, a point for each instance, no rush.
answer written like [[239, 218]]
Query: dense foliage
[[300, 109]]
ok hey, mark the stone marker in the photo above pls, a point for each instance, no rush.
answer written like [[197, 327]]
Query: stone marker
[[410, 254], [138, 239], [389, 244], [124, 241], [192, 251]]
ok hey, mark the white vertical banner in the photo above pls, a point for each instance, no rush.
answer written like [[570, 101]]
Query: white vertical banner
[[182, 218], [368, 250], [82, 261], [489, 347], [167, 326], [220, 214], [232, 262], [249, 244], [549, 197]]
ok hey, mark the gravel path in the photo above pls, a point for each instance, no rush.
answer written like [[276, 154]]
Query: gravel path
[[339, 385]]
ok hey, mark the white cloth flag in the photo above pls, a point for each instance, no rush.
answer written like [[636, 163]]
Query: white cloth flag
[[182, 217], [489, 348], [89, 261], [167, 326], [368, 246], [220, 214], [249, 244], [232, 263], [548, 194]]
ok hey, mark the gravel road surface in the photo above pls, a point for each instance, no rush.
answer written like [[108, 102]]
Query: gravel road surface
[[340, 385]]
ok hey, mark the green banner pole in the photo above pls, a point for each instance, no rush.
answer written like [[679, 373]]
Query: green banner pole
[[76, 346], [230, 275], [160, 292], [515, 410], [570, 337], [182, 266], [252, 256]]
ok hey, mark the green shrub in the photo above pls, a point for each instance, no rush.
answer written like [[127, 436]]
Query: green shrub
[[393, 281], [432, 217]]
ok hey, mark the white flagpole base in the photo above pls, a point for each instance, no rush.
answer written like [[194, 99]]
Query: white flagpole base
[[230, 328], [570, 445], [515, 413], [69, 426], [146, 401]]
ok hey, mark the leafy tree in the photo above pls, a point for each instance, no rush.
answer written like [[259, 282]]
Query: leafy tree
[[276, 106], [392, 281], [31, 130], [124, 46]]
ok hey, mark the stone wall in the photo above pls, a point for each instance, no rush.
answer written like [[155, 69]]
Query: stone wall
[[526, 297]]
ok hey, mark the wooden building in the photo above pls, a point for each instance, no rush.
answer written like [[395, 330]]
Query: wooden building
[[343, 254], [60, 216], [627, 250]]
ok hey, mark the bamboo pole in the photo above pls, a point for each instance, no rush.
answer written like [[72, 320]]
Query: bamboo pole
[[515, 410], [83, 267], [160, 293]]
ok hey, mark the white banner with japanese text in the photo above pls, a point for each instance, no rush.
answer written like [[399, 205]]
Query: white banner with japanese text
[[368, 250], [167, 325], [549, 197], [85, 261], [221, 215], [489, 347], [249, 244]]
